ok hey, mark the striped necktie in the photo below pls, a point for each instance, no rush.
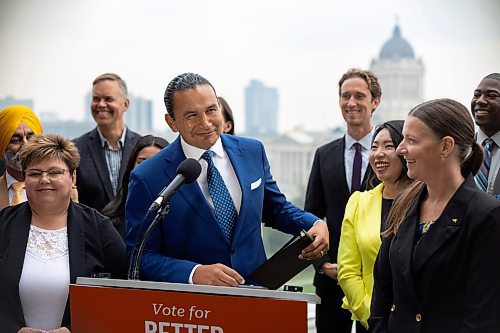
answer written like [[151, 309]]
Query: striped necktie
[[225, 212], [484, 171], [17, 197]]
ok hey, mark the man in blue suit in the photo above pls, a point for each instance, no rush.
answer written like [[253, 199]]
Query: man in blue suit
[[193, 244]]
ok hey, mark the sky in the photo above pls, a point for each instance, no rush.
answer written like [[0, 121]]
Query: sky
[[52, 50]]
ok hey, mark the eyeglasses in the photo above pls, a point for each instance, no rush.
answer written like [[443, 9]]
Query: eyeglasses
[[52, 174]]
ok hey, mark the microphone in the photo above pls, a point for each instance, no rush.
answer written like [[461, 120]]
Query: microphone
[[187, 172]]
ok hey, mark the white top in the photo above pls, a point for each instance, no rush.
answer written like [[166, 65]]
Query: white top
[[44, 283], [350, 151]]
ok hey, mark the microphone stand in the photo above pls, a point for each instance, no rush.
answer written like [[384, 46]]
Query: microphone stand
[[159, 216]]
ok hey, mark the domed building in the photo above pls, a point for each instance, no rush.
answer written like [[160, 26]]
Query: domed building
[[401, 77]]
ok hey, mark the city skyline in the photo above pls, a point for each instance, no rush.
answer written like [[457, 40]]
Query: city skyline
[[54, 49]]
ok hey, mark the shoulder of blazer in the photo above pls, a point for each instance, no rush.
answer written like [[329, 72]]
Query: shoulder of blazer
[[367, 199], [131, 135], [83, 141], [335, 144], [16, 218]]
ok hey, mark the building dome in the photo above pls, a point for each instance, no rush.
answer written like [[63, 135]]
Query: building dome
[[396, 47]]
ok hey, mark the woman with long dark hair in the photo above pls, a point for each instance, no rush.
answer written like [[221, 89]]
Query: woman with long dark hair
[[145, 147]]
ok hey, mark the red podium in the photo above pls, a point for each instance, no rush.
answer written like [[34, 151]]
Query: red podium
[[106, 305]]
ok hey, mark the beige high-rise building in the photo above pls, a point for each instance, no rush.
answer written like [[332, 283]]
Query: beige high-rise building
[[401, 76]]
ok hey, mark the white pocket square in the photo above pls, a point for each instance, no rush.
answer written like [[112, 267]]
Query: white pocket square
[[255, 184]]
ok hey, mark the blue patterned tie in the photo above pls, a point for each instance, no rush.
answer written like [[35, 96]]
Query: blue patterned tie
[[484, 171], [225, 213]]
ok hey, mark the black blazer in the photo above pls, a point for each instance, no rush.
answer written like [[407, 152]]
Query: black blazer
[[327, 195], [450, 280], [94, 247], [92, 175]]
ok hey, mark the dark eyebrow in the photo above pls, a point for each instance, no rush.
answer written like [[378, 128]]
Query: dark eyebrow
[[212, 106]]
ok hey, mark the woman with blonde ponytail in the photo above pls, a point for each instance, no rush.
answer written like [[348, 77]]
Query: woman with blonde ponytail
[[434, 271]]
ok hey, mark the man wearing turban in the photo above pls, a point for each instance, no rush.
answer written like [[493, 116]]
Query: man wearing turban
[[17, 124]]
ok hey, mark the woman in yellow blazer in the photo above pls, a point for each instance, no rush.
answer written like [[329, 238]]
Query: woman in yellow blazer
[[364, 220]]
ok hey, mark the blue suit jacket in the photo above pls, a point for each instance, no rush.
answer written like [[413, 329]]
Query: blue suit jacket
[[189, 234]]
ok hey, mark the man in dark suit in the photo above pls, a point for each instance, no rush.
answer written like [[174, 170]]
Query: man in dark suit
[[212, 233], [485, 107], [106, 149], [340, 168]]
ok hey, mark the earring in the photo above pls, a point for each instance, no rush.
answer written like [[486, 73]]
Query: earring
[[442, 156]]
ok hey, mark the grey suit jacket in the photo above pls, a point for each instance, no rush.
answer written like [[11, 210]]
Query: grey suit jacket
[[92, 175]]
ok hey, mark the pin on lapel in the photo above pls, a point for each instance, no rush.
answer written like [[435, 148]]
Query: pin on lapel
[[454, 220]]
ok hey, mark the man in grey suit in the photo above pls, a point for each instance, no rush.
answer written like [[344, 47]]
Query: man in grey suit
[[340, 168], [106, 149], [485, 107]]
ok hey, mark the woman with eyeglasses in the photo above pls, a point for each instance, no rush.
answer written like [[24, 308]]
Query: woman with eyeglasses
[[48, 241]]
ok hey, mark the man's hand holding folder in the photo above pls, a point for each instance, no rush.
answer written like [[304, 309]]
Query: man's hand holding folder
[[293, 257]]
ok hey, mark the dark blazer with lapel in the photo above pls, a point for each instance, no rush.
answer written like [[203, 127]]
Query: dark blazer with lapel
[[450, 278], [92, 175], [190, 234], [327, 195], [94, 247]]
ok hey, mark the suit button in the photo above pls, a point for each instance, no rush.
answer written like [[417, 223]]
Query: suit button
[[233, 251], [418, 317], [393, 308]]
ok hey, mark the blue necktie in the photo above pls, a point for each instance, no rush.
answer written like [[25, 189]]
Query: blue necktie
[[483, 173], [225, 213]]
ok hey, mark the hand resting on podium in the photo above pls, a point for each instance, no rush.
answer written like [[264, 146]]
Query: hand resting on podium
[[217, 275]]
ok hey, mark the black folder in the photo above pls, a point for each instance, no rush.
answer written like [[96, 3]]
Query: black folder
[[284, 264]]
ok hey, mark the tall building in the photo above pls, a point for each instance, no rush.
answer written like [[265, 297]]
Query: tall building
[[139, 116], [401, 76], [261, 109], [9, 101]]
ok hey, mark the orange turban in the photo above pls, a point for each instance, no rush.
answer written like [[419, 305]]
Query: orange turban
[[10, 118]]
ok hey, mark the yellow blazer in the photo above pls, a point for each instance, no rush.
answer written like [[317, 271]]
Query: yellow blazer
[[358, 248]]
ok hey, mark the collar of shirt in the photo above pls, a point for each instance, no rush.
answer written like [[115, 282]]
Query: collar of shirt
[[104, 141], [9, 179], [195, 152], [365, 141], [223, 165], [481, 137]]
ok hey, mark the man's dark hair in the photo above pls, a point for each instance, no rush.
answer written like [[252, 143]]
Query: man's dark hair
[[494, 76], [182, 82]]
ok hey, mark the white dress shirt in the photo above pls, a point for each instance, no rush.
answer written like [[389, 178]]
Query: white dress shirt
[[223, 165]]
